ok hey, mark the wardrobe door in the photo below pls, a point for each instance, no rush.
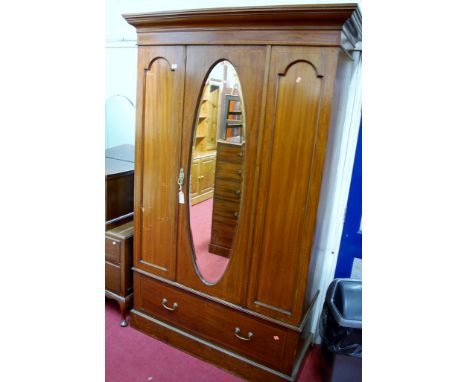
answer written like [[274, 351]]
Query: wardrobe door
[[300, 86], [161, 72], [198, 267]]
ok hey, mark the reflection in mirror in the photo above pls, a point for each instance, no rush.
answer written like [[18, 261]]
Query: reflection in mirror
[[120, 121], [217, 171]]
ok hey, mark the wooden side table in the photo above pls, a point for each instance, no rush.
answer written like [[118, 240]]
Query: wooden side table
[[119, 185], [119, 261]]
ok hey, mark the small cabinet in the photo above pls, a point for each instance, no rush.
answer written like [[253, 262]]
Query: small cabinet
[[202, 178], [118, 267]]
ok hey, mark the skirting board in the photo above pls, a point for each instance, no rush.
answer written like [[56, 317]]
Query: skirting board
[[212, 353]]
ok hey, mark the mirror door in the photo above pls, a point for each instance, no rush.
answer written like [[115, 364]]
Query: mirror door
[[217, 171], [223, 93]]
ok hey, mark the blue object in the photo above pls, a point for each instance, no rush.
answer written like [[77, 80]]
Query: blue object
[[351, 239]]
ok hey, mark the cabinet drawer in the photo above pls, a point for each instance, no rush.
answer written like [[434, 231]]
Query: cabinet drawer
[[225, 210], [231, 153], [222, 233], [113, 250], [245, 335], [113, 279], [229, 171], [225, 189]]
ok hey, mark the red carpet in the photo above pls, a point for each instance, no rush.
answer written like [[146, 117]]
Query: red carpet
[[211, 266], [132, 356]]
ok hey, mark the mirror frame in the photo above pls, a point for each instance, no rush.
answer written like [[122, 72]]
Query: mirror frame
[[189, 168]]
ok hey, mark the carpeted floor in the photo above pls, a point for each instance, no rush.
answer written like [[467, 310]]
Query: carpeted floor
[[132, 356], [211, 266]]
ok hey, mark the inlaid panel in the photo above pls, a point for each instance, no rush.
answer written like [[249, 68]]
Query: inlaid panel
[[158, 163], [289, 171]]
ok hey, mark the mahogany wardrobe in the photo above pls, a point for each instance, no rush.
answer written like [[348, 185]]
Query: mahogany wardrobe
[[234, 107]]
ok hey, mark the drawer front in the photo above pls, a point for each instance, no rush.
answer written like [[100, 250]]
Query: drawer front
[[225, 189], [113, 250], [119, 191], [229, 171], [230, 153], [226, 210], [258, 340], [222, 233], [113, 279]]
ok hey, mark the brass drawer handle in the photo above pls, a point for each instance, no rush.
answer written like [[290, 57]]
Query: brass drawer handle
[[249, 335], [164, 302]]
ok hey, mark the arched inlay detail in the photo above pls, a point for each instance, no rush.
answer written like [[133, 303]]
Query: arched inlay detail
[[285, 71], [158, 59]]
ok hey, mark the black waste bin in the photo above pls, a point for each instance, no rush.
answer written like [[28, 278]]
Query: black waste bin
[[341, 332]]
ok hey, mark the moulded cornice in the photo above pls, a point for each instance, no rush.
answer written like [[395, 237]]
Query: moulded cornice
[[317, 16]]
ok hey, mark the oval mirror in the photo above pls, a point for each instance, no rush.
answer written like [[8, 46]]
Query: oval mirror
[[217, 172]]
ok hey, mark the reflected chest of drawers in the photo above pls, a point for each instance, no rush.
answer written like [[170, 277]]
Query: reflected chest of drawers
[[227, 197]]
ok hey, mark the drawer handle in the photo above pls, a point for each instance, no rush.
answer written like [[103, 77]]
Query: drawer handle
[[249, 335], [239, 172], [241, 154], [236, 214], [114, 243], [164, 302], [238, 192]]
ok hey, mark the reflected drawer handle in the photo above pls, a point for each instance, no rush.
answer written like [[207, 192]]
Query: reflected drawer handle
[[164, 302], [238, 192], [249, 335]]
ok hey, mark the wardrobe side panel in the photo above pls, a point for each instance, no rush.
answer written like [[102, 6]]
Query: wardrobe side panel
[[159, 123], [300, 87]]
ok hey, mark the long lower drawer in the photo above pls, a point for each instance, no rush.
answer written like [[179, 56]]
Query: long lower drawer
[[259, 340]]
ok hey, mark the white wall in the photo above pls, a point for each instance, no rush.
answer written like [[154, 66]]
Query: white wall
[[121, 79]]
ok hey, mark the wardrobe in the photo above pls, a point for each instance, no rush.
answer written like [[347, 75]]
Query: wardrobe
[[247, 308]]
